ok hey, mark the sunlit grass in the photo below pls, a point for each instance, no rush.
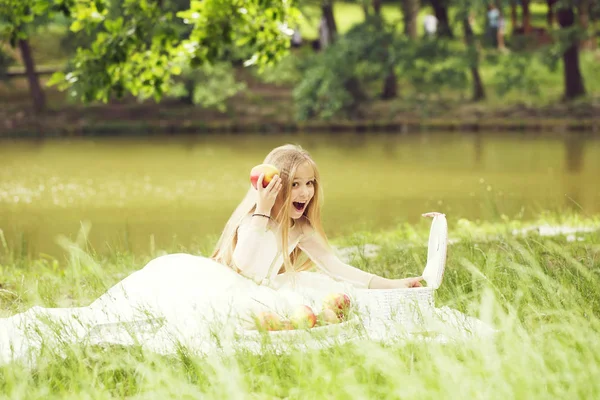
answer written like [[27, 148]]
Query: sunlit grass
[[541, 292]]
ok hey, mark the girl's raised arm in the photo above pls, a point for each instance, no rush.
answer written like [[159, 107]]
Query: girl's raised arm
[[255, 251], [256, 248]]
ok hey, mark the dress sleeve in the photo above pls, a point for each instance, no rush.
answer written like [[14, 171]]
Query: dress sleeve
[[326, 260], [255, 251]]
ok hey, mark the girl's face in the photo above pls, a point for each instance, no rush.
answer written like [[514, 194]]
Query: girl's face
[[303, 190]]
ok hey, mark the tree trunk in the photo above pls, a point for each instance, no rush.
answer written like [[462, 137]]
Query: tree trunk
[[365, 6], [550, 14], [327, 9], [377, 7], [478, 90], [513, 15], [572, 73], [35, 89], [390, 86], [526, 16], [390, 83], [410, 9], [440, 9]]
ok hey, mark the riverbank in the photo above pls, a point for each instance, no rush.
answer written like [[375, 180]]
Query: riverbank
[[269, 107], [271, 111], [142, 128]]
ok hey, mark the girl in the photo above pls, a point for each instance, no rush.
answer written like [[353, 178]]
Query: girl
[[287, 215], [260, 263]]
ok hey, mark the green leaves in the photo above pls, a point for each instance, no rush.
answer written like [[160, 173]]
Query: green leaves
[[518, 73], [5, 61], [16, 15], [139, 47]]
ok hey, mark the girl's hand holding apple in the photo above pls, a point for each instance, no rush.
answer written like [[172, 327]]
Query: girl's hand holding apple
[[267, 195]]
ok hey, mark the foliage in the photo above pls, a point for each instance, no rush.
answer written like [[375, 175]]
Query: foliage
[[5, 61], [289, 71], [16, 16], [563, 39], [436, 64], [139, 49], [516, 72], [335, 81], [209, 85], [341, 79]]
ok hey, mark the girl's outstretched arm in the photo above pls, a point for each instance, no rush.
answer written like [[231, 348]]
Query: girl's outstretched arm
[[326, 260]]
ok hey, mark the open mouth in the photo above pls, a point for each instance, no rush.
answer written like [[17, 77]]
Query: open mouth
[[299, 205]]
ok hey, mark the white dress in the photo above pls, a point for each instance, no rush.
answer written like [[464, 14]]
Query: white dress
[[182, 299]]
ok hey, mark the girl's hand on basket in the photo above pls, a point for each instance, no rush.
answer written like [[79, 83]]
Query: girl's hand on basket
[[377, 282], [268, 195], [408, 283]]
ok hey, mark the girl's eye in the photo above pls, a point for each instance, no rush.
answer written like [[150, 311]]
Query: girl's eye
[[295, 184], [310, 183]]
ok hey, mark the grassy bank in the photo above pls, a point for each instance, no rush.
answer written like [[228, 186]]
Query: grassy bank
[[542, 293]]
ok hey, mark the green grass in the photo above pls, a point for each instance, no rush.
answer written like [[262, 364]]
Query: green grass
[[542, 293]]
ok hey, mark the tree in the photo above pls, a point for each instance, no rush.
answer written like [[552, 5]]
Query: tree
[[140, 48], [526, 17], [550, 13], [570, 40], [440, 9], [329, 19], [390, 83], [17, 17], [410, 11], [473, 56]]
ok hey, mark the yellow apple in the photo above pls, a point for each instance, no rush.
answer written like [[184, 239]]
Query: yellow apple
[[328, 317], [269, 321], [268, 169], [339, 303], [303, 317]]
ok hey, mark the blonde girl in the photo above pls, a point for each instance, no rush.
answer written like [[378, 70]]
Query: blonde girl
[[278, 229]]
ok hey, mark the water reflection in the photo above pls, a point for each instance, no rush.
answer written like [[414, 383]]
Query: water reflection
[[478, 146], [574, 161], [186, 187], [574, 153]]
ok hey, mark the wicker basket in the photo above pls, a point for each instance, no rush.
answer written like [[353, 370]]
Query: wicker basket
[[405, 308], [379, 309]]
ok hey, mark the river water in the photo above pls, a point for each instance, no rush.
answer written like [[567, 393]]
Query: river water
[[143, 194]]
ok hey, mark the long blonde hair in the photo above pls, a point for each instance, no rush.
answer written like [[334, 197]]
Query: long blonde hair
[[287, 159]]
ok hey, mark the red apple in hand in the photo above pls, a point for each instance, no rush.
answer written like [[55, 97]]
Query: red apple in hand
[[269, 170], [303, 317], [339, 303]]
